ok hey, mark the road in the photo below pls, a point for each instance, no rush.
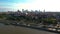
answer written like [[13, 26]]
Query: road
[[21, 30]]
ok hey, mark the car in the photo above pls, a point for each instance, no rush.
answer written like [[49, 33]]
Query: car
[[52, 29], [58, 29], [49, 28]]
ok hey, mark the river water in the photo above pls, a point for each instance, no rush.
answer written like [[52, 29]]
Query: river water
[[9, 29], [1, 25]]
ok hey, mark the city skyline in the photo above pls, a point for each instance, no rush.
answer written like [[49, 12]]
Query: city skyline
[[13, 5]]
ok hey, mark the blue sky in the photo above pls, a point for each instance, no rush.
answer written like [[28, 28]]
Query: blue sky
[[13, 5], [13, 1], [8, 4]]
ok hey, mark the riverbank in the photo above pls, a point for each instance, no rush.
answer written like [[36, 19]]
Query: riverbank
[[15, 23], [10, 29]]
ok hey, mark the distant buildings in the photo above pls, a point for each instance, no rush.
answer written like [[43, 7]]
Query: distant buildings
[[34, 14]]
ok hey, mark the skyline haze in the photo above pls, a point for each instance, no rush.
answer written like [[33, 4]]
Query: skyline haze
[[13, 5]]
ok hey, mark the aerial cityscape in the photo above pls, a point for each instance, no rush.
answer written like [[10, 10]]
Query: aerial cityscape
[[29, 16], [32, 19]]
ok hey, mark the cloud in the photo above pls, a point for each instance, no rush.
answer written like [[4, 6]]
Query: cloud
[[48, 5]]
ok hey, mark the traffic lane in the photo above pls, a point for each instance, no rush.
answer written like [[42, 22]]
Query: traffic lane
[[21, 30]]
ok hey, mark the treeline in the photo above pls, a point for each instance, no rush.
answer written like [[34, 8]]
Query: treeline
[[29, 19]]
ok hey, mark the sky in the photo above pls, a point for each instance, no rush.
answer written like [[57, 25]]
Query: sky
[[13, 5]]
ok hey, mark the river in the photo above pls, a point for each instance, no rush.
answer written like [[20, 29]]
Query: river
[[10, 29]]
